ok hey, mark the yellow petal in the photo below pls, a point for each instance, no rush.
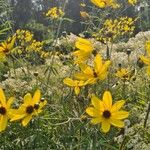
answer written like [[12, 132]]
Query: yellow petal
[[105, 126], [81, 76], [120, 114], [107, 100], [69, 82], [145, 60], [28, 99], [96, 120], [2, 97], [3, 122], [97, 63], [97, 103], [117, 123], [15, 117], [77, 90], [9, 102], [93, 112], [26, 120], [36, 96], [117, 105], [84, 44]]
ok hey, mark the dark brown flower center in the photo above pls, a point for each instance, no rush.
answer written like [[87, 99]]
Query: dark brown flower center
[[36, 106], [106, 114], [29, 109], [95, 74], [94, 52], [2, 110]]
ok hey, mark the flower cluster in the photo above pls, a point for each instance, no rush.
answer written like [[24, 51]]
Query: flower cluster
[[54, 13], [112, 29], [101, 111], [105, 3]]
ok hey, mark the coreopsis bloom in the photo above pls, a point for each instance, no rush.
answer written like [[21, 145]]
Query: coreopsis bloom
[[106, 113], [85, 50], [5, 107], [122, 73], [55, 13], [105, 3], [132, 2], [31, 107], [92, 74], [75, 84], [6, 47]]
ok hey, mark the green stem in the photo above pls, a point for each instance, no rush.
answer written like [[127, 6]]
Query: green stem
[[147, 115]]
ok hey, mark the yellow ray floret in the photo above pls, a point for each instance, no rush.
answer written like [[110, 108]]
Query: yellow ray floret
[[106, 113]]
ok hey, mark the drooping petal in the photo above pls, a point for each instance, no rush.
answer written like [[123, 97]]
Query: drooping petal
[[96, 120], [91, 111], [3, 122], [97, 103], [69, 82], [120, 114], [28, 99], [117, 123], [97, 63], [84, 44], [107, 100], [77, 90], [26, 120], [36, 96], [117, 105], [2, 97], [105, 126]]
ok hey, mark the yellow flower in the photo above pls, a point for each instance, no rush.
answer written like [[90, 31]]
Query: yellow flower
[[4, 110], [74, 83], [85, 50], [124, 73], [132, 2], [31, 107], [105, 113], [7, 46], [146, 61], [105, 3], [92, 74]]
